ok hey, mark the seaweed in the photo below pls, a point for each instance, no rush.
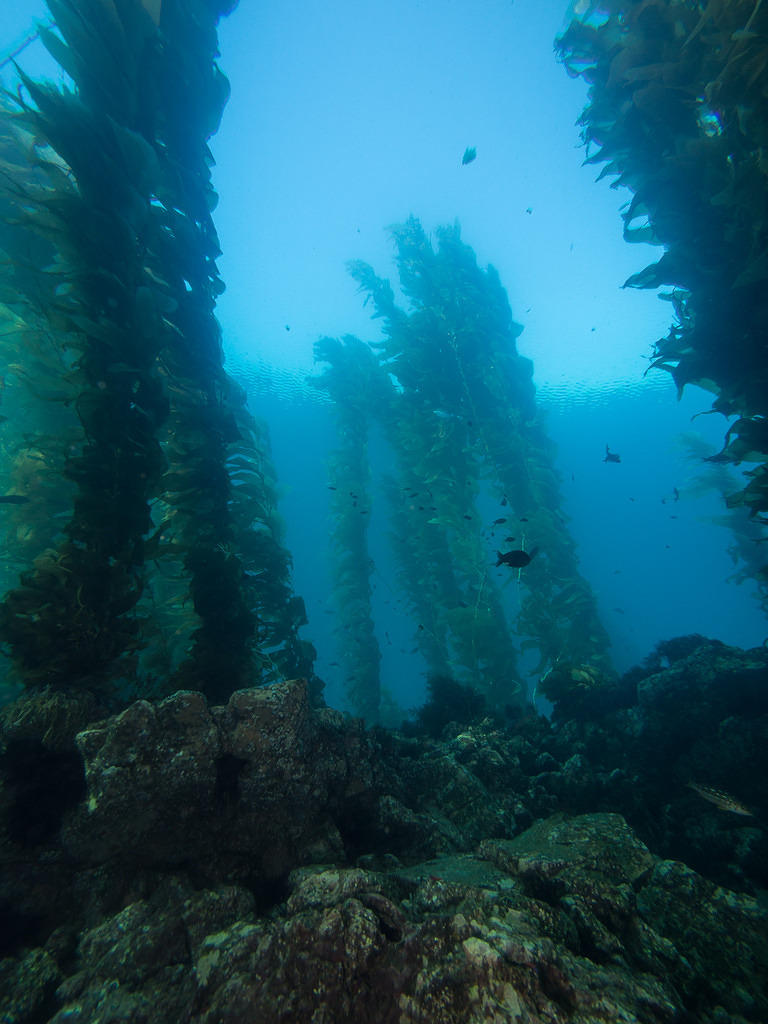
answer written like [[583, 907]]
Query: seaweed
[[356, 383], [458, 412], [151, 574], [677, 112]]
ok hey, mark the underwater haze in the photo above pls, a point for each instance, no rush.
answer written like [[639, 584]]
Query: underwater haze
[[347, 118], [383, 498], [350, 120]]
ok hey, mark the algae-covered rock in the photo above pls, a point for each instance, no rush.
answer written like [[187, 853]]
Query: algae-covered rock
[[265, 860]]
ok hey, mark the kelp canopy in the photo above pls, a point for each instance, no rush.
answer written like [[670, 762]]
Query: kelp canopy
[[456, 403], [153, 559], [678, 113]]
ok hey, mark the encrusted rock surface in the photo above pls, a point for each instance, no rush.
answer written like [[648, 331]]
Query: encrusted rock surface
[[266, 861]]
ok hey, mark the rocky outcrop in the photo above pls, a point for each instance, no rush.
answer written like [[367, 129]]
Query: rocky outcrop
[[267, 861], [573, 921]]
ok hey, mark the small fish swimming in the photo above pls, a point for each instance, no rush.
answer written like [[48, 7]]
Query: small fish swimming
[[470, 154], [515, 559], [721, 799], [611, 456]]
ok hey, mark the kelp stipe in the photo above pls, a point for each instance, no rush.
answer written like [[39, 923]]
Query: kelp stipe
[[73, 619], [114, 191], [459, 414], [358, 386], [677, 112]]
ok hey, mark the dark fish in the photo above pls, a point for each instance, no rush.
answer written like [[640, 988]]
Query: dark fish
[[676, 493], [499, 521], [515, 559], [470, 153], [504, 500], [611, 456], [508, 540], [13, 499]]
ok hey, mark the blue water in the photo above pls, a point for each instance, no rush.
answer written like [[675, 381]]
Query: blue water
[[659, 566]]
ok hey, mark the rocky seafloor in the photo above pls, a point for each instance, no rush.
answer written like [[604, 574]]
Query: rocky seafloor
[[266, 861]]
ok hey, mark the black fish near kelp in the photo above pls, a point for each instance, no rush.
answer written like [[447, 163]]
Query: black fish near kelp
[[470, 154], [515, 559], [611, 456]]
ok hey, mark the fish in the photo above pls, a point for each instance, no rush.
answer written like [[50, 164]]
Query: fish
[[13, 499], [515, 559], [724, 801], [499, 521], [470, 154], [611, 456]]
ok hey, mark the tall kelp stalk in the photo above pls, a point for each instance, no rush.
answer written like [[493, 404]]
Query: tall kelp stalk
[[279, 651], [188, 99], [466, 423], [73, 618], [36, 366], [357, 386], [109, 242], [678, 113]]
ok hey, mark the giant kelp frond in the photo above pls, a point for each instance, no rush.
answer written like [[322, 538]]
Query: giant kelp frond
[[677, 111], [354, 380], [106, 199], [462, 419]]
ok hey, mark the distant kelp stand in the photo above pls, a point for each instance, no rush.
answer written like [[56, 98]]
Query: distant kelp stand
[[677, 113], [356, 383], [154, 572], [456, 404]]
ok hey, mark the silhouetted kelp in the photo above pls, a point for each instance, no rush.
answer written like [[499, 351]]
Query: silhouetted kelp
[[677, 111], [163, 485], [456, 405]]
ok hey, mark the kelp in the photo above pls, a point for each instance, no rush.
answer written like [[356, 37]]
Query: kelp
[[677, 112], [79, 622], [356, 383], [461, 421], [166, 568]]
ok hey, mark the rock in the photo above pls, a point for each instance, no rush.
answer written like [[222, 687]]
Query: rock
[[265, 860]]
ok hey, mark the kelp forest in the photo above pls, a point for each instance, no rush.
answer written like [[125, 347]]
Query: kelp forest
[[144, 551], [144, 548], [677, 113], [472, 480]]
